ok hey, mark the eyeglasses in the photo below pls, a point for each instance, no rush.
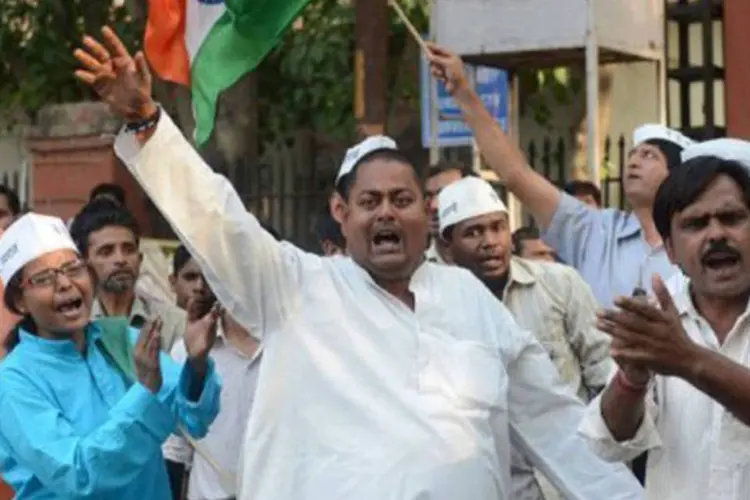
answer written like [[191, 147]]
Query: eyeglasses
[[48, 277]]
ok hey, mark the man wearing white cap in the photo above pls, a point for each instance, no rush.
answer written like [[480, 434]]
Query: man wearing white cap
[[385, 377], [694, 413], [84, 413], [548, 299], [614, 251]]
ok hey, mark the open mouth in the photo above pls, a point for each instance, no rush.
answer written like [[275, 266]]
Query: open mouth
[[386, 240], [718, 261], [70, 307]]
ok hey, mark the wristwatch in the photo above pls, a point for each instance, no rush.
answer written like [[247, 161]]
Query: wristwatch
[[146, 124]]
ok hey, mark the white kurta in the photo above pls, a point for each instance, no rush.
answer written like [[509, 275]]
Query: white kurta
[[698, 450], [359, 397]]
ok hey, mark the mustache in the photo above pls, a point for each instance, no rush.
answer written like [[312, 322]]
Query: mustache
[[720, 248]]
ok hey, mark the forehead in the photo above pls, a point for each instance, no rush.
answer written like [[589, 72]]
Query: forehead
[[111, 235], [485, 220], [4, 203], [646, 148], [383, 175], [721, 195], [51, 260], [190, 267], [535, 244], [439, 181]]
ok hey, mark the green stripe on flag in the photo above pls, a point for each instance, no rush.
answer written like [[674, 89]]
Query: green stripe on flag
[[246, 32]]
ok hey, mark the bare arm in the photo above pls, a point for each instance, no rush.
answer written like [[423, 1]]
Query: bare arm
[[536, 193], [622, 410]]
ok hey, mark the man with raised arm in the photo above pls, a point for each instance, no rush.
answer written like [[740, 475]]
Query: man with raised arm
[[385, 377], [614, 251]]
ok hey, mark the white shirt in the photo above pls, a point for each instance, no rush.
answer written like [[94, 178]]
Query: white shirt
[[239, 376], [359, 396], [698, 450]]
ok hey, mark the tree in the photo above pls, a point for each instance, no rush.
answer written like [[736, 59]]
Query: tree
[[37, 39]]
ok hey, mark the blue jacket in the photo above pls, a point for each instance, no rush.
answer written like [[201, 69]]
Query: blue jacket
[[72, 426]]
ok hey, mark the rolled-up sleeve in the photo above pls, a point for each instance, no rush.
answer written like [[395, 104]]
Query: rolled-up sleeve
[[594, 430], [253, 276], [93, 465], [572, 228]]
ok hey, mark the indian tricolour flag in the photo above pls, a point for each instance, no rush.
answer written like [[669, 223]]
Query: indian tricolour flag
[[209, 44]]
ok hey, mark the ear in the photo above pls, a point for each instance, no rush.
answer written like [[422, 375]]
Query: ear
[[19, 305], [172, 281], [338, 207]]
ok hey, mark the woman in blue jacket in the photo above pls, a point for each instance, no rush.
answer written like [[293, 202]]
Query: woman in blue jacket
[[85, 406]]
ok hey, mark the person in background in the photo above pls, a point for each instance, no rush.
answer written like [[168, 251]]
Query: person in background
[[586, 192], [528, 244], [10, 209], [440, 175], [548, 299], [330, 238], [372, 388], [614, 251], [87, 404], [236, 354], [10, 206], [107, 191], [682, 387], [108, 237]]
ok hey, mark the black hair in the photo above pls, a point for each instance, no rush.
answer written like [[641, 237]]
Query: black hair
[[180, 258], [14, 203], [523, 234], [345, 183], [686, 184], [108, 189], [11, 295], [182, 255], [672, 151], [446, 166], [328, 229], [584, 188], [98, 215]]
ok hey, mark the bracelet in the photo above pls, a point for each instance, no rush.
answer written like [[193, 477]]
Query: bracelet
[[144, 125], [625, 384]]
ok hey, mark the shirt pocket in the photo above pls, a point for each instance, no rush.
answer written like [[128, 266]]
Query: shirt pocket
[[469, 374]]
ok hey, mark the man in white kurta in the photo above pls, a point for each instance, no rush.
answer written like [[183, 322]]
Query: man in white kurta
[[699, 445], [361, 395]]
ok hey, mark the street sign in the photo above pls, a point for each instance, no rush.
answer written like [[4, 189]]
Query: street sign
[[491, 85]]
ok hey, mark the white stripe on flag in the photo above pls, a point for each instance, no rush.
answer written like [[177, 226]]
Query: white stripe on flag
[[200, 18]]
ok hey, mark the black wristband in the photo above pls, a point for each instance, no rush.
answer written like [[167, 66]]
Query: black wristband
[[143, 125]]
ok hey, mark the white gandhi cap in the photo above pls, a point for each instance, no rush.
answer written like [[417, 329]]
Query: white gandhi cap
[[726, 149], [29, 238], [355, 154], [651, 131], [470, 197]]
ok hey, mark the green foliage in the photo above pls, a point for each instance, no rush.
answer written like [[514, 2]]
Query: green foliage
[[543, 89], [308, 80], [37, 38]]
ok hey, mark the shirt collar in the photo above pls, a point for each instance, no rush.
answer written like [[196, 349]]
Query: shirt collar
[[520, 272], [139, 312]]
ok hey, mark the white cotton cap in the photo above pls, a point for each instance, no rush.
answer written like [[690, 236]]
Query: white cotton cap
[[726, 149], [355, 154], [652, 131], [470, 197], [29, 238]]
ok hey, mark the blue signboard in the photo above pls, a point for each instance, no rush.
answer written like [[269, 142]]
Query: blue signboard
[[492, 87]]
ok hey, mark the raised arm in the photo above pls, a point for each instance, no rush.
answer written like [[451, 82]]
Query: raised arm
[[253, 276], [536, 193]]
